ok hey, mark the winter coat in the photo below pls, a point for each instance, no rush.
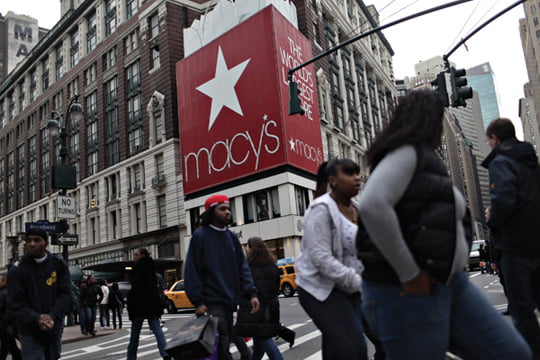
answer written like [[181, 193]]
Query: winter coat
[[143, 299], [40, 288], [514, 176], [116, 300], [264, 323], [7, 325], [216, 271], [91, 295]]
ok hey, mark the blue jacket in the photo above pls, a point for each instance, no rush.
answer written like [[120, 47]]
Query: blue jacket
[[514, 177], [39, 288], [216, 272]]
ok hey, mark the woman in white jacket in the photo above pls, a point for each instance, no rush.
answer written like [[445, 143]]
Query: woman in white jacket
[[328, 269]]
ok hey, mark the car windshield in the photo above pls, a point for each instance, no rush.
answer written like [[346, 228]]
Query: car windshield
[[476, 246]]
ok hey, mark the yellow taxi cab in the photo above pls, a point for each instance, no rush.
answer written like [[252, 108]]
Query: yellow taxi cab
[[177, 298], [287, 284]]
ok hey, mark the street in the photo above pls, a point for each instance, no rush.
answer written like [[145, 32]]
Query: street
[[307, 344]]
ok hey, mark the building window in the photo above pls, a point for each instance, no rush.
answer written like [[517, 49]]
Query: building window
[[21, 97], [92, 163], [113, 224], [21, 156], [261, 205], [538, 34], [533, 9], [110, 17], [154, 45], [59, 52], [45, 74], [136, 177], [137, 218], [135, 133], [535, 21], [132, 6], [154, 26], [92, 233], [91, 35], [302, 199], [74, 49], [132, 41], [91, 74], [33, 85], [162, 211], [111, 183], [112, 129], [195, 218], [109, 59]]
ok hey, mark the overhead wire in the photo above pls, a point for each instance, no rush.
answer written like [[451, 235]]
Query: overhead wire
[[463, 26], [476, 24]]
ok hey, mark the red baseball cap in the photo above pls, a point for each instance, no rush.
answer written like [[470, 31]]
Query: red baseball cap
[[214, 200]]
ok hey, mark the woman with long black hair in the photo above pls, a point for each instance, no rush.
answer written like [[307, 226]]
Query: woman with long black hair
[[264, 324], [328, 269], [414, 240]]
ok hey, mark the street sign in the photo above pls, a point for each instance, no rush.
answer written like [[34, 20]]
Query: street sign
[[51, 227], [68, 239], [66, 207]]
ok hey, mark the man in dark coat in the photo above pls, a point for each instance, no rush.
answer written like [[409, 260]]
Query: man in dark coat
[[143, 302], [514, 176], [7, 327], [39, 291], [216, 273]]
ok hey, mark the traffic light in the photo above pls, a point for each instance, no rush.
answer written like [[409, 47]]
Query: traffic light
[[294, 101], [440, 86], [460, 92]]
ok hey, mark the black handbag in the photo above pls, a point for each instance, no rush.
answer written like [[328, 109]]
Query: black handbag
[[194, 340]]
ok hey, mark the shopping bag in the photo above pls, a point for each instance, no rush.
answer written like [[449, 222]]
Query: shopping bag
[[214, 355], [482, 264], [194, 340]]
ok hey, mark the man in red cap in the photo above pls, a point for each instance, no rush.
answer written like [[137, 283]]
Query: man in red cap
[[217, 274]]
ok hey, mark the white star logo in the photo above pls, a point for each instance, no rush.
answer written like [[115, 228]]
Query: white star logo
[[292, 143], [221, 88]]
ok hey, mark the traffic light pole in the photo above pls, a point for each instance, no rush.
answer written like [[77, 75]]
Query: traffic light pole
[[294, 101]]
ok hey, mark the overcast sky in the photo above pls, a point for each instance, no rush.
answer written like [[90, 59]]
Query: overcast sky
[[416, 40]]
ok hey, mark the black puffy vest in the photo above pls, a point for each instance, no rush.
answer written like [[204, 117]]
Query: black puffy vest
[[426, 213]]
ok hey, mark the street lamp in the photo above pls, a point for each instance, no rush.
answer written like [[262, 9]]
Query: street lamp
[[64, 176]]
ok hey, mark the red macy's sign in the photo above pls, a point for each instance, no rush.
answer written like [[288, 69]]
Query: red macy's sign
[[232, 104]]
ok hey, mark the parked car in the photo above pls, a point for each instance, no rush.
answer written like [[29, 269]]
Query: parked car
[[474, 255], [287, 284], [177, 298]]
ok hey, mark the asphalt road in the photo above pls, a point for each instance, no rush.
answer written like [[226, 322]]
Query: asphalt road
[[307, 345]]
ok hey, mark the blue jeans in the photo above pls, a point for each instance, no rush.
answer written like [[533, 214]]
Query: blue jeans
[[136, 325], [522, 282], [33, 348], [455, 317], [339, 319], [268, 346], [90, 312], [82, 319]]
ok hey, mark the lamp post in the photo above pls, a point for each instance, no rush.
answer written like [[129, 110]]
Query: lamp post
[[64, 176]]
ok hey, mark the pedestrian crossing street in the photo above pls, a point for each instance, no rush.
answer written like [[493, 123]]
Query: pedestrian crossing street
[[307, 339]]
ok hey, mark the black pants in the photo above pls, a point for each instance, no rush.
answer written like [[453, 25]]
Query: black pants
[[8, 345], [339, 319], [117, 311], [225, 329]]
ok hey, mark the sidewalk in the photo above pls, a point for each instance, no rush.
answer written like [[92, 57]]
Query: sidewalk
[[73, 333]]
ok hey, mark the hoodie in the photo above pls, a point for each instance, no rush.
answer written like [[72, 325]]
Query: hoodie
[[514, 176]]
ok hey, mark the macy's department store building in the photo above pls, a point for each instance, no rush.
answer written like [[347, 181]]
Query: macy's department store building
[[236, 135]]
